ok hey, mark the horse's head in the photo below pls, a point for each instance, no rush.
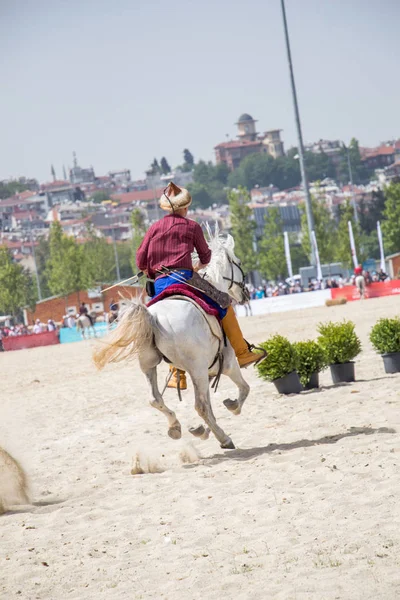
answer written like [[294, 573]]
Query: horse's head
[[225, 270]]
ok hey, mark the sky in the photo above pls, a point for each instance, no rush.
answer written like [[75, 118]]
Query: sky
[[125, 81]]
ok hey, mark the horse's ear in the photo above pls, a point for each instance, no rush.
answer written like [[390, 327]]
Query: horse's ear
[[230, 242]]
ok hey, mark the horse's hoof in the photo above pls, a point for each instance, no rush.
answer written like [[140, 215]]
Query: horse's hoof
[[228, 445], [175, 432], [232, 406], [200, 432]]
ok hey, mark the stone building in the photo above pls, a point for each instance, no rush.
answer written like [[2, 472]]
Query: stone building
[[248, 142]]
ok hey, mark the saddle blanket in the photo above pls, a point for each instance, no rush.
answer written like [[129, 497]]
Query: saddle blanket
[[183, 290]]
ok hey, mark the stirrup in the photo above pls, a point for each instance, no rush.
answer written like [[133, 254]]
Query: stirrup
[[263, 353]]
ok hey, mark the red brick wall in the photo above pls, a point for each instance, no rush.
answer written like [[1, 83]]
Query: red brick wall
[[55, 308]]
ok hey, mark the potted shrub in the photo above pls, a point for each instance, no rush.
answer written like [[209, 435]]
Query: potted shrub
[[310, 362], [385, 338], [341, 345], [280, 365]]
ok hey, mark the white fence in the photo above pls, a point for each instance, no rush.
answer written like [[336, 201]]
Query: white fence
[[286, 303]]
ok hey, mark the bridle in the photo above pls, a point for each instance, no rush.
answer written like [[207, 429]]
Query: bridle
[[232, 281]]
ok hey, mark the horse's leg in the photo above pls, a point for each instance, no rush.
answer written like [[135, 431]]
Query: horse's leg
[[234, 373], [148, 363], [204, 409]]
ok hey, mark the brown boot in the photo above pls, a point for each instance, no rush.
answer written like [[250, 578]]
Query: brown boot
[[173, 382], [242, 349]]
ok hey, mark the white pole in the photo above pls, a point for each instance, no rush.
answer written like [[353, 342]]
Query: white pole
[[316, 253], [380, 240], [287, 254], [352, 244]]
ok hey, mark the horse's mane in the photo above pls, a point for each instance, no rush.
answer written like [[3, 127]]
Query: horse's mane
[[220, 245]]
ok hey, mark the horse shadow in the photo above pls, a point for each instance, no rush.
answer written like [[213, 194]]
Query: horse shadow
[[249, 453]]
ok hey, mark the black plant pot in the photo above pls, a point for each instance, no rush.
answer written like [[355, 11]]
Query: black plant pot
[[289, 384], [313, 383], [391, 362], [343, 373]]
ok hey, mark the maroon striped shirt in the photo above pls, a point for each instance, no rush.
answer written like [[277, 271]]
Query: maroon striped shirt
[[170, 242]]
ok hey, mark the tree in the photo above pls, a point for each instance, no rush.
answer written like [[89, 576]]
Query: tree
[[243, 228], [154, 168], [188, 160], [342, 252], [271, 247], [139, 228], [98, 264], [209, 184], [371, 212], [100, 196], [42, 252], [359, 171], [264, 170], [65, 262], [391, 224], [165, 168], [16, 289], [10, 189], [325, 229]]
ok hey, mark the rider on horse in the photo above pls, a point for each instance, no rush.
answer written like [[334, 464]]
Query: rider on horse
[[169, 243], [84, 311]]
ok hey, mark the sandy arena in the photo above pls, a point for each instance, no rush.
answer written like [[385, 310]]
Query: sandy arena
[[307, 507]]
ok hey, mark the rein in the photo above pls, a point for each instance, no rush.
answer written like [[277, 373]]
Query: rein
[[232, 281]]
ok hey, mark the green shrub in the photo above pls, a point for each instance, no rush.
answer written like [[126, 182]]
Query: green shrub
[[310, 359], [280, 361], [385, 336], [339, 341]]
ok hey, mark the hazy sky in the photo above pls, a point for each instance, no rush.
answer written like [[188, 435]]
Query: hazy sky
[[123, 81]]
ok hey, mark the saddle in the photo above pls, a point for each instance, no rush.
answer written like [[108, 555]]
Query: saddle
[[200, 283]]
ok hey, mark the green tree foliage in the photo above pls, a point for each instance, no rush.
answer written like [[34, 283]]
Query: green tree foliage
[[100, 196], [139, 228], [16, 286], [372, 211], [271, 247], [243, 228], [188, 160], [165, 168], [154, 168], [209, 183], [360, 172], [10, 189], [98, 264], [342, 251], [124, 251], [42, 252], [263, 170], [65, 262], [391, 224], [325, 231]]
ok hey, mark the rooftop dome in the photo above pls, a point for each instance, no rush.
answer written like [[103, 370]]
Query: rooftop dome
[[245, 117]]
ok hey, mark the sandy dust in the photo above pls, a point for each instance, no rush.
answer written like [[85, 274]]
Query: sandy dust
[[305, 508]]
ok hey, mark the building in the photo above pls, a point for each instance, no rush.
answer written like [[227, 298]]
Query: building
[[249, 142], [382, 156], [120, 178], [289, 213], [332, 148], [78, 175]]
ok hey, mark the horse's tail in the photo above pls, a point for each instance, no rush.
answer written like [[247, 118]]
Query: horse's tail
[[133, 334]]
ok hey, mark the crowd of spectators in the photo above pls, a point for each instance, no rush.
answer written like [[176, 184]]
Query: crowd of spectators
[[294, 286]]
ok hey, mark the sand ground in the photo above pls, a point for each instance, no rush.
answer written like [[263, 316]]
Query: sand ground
[[307, 507]]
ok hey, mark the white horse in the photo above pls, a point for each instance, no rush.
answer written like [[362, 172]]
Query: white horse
[[84, 326], [177, 330]]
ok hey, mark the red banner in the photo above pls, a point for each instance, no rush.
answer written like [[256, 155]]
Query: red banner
[[374, 290], [21, 342]]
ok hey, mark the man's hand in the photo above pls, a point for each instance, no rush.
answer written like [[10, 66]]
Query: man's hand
[[198, 267]]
